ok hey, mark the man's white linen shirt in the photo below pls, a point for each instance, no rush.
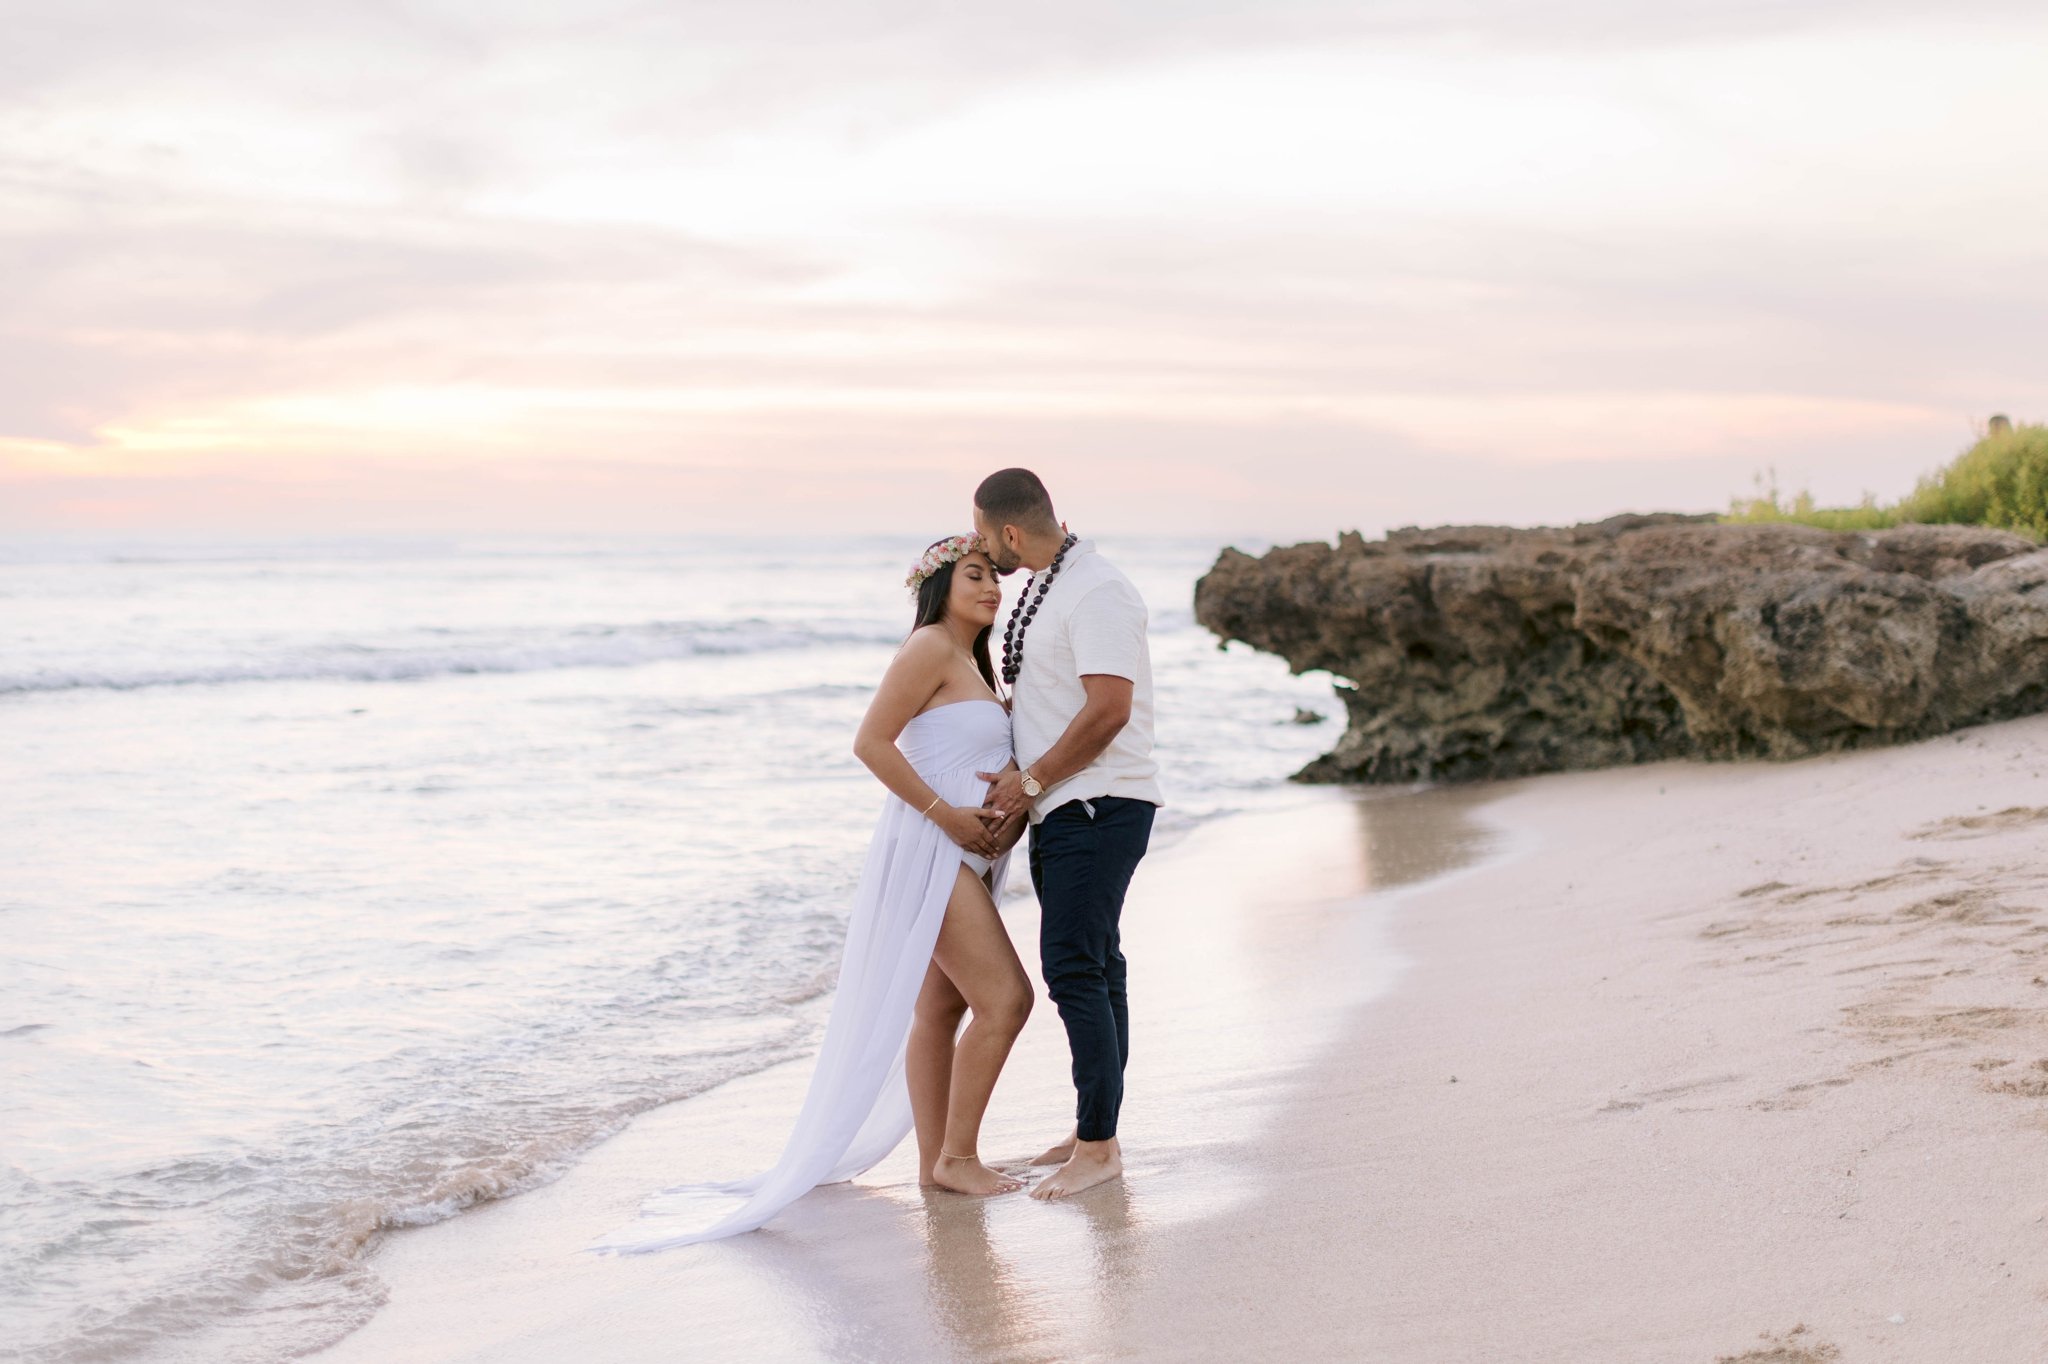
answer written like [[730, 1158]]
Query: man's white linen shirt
[[1091, 621]]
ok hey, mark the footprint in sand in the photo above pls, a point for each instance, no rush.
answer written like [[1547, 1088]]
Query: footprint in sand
[[1980, 826], [2031, 1085], [1799, 1095], [1668, 1092], [1796, 1346]]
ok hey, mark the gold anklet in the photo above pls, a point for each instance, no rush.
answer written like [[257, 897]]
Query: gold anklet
[[950, 1156]]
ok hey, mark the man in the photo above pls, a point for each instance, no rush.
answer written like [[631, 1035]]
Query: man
[[1076, 658]]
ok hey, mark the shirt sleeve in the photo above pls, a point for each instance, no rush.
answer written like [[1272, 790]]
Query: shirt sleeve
[[1107, 629]]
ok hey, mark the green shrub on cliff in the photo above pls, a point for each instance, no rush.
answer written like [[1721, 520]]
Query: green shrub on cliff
[[1767, 506], [2000, 481]]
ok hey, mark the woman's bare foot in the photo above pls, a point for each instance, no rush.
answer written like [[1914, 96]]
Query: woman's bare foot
[[1093, 1162], [1057, 1155], [967, 1175]]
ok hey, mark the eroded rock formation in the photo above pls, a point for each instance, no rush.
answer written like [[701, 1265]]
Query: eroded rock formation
[[1485, 651]]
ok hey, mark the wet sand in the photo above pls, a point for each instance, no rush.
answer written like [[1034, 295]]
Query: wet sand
[[1697, 1063], [1250, 945]]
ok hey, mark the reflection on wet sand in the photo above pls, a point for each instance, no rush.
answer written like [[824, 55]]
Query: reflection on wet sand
[[972, 1292], [1239, 975], [1037, 1293], [1416, 835], [1251, 945], [865, 1271], [979, 1299]]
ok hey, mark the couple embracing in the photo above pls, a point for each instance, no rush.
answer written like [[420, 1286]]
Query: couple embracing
[[1060, 751]]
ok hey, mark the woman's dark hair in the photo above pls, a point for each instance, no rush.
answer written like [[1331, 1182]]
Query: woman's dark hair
[[931, 609]]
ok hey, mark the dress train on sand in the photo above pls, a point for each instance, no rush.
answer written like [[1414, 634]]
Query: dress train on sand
[[857, 1109]]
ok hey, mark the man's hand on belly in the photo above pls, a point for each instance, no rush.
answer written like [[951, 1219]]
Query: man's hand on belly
[[1006, 791]]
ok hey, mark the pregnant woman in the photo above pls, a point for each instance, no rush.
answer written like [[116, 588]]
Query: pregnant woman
[[924, 945]]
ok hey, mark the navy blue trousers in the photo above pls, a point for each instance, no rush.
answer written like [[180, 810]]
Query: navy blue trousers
[[1081, 865]]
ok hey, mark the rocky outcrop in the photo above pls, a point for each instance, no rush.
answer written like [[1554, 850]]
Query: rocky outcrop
[[1484, 651]]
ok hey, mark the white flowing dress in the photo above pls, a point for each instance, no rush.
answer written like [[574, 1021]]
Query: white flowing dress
[[858, 1107]]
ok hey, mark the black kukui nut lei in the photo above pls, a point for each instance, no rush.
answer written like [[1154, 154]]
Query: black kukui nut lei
[[1020, 616]]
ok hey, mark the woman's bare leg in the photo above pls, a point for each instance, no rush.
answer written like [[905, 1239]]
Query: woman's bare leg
[[928, 1064], [976, 955]]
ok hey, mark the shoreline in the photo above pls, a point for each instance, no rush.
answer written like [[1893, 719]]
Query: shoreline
[[1248, 949], [1748, 1068]]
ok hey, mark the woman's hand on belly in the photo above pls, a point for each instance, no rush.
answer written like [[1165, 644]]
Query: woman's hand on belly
[[1011, 830]]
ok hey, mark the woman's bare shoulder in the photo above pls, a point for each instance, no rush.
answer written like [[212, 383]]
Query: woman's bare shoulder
[[927, 639], [928, 648]]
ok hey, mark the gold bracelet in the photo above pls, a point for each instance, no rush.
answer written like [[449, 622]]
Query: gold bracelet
[[928, 809]]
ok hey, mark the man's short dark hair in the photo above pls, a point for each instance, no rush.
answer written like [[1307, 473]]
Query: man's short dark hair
[[1015, 497]]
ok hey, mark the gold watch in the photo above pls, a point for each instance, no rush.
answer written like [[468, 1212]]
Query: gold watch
[[1031, 786]]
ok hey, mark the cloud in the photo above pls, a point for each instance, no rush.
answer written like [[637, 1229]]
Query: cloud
[[121, 304], [381, 247]]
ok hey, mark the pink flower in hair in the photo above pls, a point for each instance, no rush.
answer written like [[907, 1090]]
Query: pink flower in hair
[[947, 551]]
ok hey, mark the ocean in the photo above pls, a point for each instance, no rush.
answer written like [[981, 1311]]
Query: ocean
[[348, 882]]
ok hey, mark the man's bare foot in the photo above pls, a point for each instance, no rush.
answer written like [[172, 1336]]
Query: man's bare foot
[[967, 1175], [1093, 1162], [1057, 1155]]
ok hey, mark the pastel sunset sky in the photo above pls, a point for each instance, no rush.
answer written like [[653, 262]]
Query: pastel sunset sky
[[1215, 268]]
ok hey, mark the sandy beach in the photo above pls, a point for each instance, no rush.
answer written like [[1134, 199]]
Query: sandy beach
[[1555, 491], [1685, 1062]]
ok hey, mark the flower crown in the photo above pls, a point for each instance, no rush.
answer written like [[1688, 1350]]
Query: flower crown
[[938, 556]]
